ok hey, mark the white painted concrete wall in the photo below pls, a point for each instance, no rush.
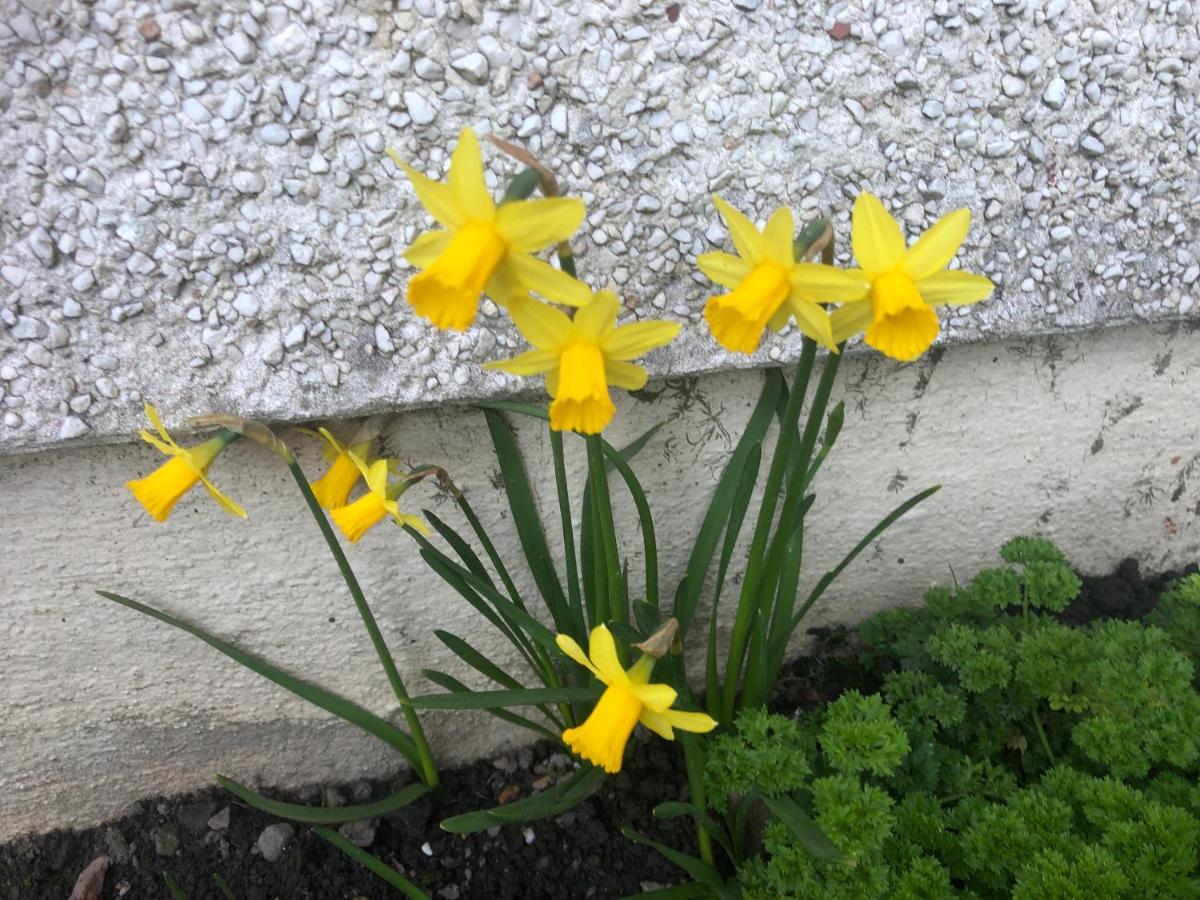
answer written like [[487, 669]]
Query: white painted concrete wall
[[1092, 440]]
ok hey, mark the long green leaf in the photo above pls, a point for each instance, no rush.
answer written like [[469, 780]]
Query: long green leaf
[[223, 886], [567, 523], [500, 699], [645, 517], [318, 696], [476, 660], [886, 522], [177, 893], [464, 550], [690, 891], [363, 858], [717, 515], [529, 524], [807, 832], [326, 815], [697, 868], [553, 801], [441, 679]]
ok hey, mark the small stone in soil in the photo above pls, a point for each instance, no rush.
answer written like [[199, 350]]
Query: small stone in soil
[[166, 840], [219, 820], [195, 816], [274, 840], [360, 834]]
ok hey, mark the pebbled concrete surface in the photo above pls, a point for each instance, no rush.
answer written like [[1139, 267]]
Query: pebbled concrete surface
[[1092, 440], [197, 209]]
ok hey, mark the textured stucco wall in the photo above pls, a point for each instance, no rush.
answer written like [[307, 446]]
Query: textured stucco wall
[[197, 209], [1092, 439]]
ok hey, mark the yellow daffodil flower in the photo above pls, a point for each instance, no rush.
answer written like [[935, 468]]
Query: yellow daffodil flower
[[484, 247], [767, 286], [377, 503], [582, 357], [332, 489], [905, 284], [159, 491], [628, 699]]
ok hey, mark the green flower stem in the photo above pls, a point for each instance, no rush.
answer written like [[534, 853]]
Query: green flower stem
[[523, 184], [566, 259], [693, 758], [748, 599], [568, 532], [429, 773], [602, 501]]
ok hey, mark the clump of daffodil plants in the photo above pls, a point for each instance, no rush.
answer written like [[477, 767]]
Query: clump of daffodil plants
[[637, 670]]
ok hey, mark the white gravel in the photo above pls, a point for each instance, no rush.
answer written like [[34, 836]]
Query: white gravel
[[197, 210]]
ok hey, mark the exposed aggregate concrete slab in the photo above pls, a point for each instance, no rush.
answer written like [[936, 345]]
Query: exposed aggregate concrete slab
[[198, 211]]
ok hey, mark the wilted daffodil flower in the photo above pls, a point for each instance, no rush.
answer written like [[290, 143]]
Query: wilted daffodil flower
[[905, 284], [581, 357], [332, 489], [377, 503], [767, 286], [628, 699], [159, 491], [484, 247]]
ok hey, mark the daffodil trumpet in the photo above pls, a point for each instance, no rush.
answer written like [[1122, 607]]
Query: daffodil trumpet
[[159, 491], [582, 357], [482, 247], [332, 489], [629, 698], [378, 503], [904, 286]]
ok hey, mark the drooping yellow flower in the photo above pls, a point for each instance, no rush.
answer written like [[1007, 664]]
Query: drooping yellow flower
[[905, 284], [484, 247], [767, 286], [628, 699], [376, 504], [159, 491], [582, 357], [332, 489]]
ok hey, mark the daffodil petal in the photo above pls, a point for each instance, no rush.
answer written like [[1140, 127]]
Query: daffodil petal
[[725, 269], [376, 477], [813, 321], [571, 648], [170, 449], [225, 502], [552, 383], [467, 182], [533, 225], [408, 519], [624, 375], [664, 723], [543, 326], [847, 321], [602, 650], [875, 236], [596, 320], [954, 288], [539, 276], [937, 246], [820, 283], [534, 362], [778, 235], [655, 697], [631, 341], [781, 317], [437, 198], [746, 239], [427, 247], [156, 421]]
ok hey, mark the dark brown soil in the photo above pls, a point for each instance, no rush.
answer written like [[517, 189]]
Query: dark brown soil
[[580, 854]]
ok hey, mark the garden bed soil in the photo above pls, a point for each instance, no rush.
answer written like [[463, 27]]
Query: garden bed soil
[[211, 834]]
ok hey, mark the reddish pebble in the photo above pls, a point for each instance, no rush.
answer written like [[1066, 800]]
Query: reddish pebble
[[149, 28], [673, 12], [840, 31]]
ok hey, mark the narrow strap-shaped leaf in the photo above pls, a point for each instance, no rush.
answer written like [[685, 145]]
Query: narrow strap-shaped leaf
[[553, 801], [513, 406], [717, 514], [223, 886], [326, 815], [177, 893], [489, 548], [318, 696], [886, 522], [618, 606], [673, 809], [363, 858], [525, 516], [574, 596], [501, 699], [507, 715], [807, 832], [476, 660], [505, 607], [697, 868], [464, 550], [644, 517], [833, 427]]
